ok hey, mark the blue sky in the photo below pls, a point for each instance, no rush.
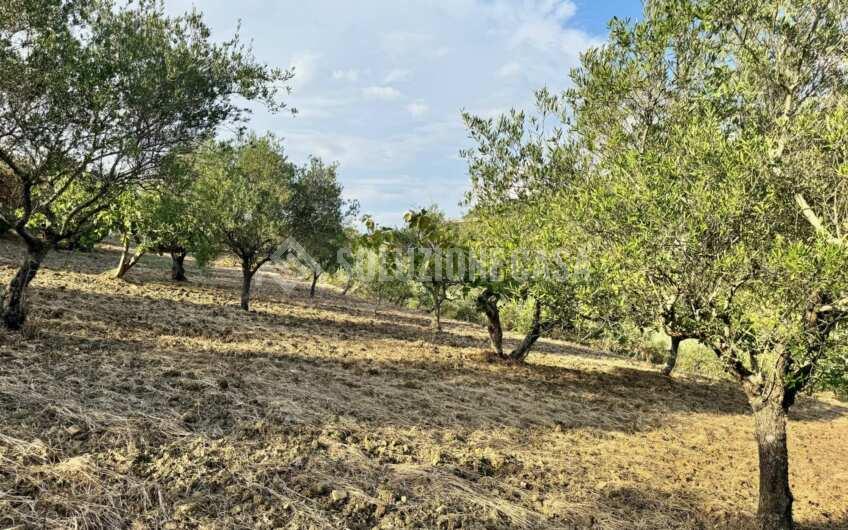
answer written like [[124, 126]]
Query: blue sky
[[380, 84]]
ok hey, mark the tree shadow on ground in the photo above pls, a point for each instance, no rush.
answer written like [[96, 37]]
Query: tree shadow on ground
[[130, 396], [439, 357], [684, 508], [281, 390]]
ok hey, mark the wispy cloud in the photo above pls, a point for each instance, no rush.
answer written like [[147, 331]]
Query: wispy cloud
[[397, 75], [351, 74], [381, 92], [305, 65], [417, 109], [380, 87]]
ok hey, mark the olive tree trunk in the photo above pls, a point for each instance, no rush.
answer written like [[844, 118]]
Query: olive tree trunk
[[247, 284], [14, 298], [437, 314], [128, 260], [348, 285], [671, 361], [519, 354], [775, 504], [315, 277], [178, 273], [487, 303]]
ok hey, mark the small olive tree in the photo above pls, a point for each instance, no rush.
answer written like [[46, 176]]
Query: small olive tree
[[243, 189], [317, 216], [434, 256], [94, 96], [167, 218], [518, 166], [376, 268]]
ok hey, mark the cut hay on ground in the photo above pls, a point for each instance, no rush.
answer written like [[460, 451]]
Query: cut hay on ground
[[145, 404]]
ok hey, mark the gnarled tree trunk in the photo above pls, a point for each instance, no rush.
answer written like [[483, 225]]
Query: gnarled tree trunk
[[247, 283], [487, 303], [14, 298], [178, 266], [314, 283], [775, 505], [128, 261], [519, 354], [671, 361]]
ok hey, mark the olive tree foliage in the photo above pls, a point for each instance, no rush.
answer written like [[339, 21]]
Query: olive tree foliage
[[375, 268], [423, 260], [518, 164], [95, 95], [243, 189], [716, 132], [166, 218], [434, 257], [318, 217]]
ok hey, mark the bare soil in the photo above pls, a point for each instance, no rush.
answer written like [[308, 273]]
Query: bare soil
[[148, 404]]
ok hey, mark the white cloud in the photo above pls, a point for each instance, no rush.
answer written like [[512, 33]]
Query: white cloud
[[565, 10], [305, 66], [510, 70], [428, 59], [417, 109], [381, 92], [351, 75], [372, 152], [397, 75]]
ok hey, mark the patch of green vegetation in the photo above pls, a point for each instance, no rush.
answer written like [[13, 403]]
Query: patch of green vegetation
[[693, 358]]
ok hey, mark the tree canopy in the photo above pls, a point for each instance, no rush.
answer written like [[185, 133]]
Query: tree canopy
[[98, 94], [167, 218], [317, 216], [692, 179], [695, 174], [244, 187], [713, 139]]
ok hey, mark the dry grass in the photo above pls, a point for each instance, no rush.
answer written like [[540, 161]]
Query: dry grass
[[144, 404]]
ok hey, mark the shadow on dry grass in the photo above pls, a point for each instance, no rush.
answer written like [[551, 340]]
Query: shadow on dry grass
[[145, 404], [181, 318]]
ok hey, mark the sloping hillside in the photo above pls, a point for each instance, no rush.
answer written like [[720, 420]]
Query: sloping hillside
[[146, 404]]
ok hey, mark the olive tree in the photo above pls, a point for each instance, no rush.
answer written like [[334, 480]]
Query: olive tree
[[717, 135], [518, 164], [167, 219], [317, 216], [95, 94], [423, 259], [433, 255], [376, 268], [243, 189]]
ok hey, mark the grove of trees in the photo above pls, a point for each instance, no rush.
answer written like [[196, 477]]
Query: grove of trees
[[99, 96], [692, 180], [697, 171]]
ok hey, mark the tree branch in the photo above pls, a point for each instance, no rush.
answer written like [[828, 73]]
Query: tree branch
[[815, 221]]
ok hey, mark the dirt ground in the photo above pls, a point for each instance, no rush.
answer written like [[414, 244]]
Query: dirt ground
[[146, 404]]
